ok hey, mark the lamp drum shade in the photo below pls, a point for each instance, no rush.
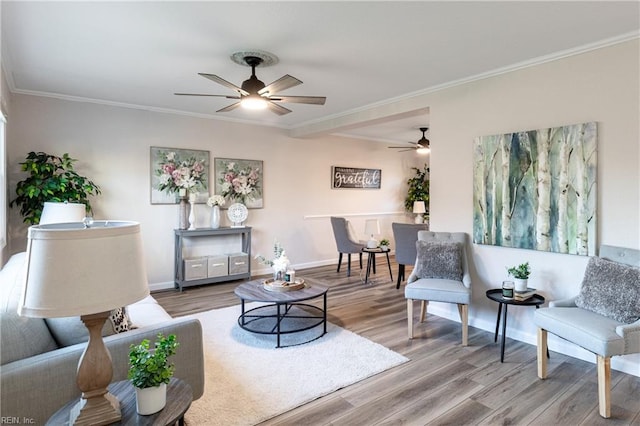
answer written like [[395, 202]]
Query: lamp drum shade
[[419, 207], [73, 270], [62, 212]]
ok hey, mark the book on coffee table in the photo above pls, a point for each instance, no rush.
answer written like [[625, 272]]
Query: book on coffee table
[[521, 296]]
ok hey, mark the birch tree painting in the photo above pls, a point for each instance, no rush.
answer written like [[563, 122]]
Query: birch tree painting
[[537, 189]]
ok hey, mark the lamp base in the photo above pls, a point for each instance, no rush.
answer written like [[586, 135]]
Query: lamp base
[[419, 219], [95, 371], [372, 243], [98, 410]]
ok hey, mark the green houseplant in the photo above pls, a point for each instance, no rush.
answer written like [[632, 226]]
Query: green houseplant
[[418, 189], [384, 244], [520, 273], [51, 178], [150, 372]]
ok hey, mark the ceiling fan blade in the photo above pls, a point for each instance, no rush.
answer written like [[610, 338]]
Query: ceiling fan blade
[[278, 109], [283, 83], [229, 108], [313, 100], [224, 82], [202, 94]]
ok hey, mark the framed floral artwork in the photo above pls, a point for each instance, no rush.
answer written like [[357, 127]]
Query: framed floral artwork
[[177, 171], [239, 181]]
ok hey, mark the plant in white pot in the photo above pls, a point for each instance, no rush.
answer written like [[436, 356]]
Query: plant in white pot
[[150, 372], [384, 244], [520, 275]]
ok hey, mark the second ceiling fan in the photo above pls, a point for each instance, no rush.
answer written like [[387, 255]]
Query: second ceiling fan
[[253, 93], [421, 147]]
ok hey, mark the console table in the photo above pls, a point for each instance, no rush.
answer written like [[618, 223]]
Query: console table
[[244, 233]]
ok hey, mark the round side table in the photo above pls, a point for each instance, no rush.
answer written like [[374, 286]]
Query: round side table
[[496, 295], [179, 398]]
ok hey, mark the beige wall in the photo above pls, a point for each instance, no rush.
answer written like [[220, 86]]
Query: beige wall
[[112, 146], [601, 85]]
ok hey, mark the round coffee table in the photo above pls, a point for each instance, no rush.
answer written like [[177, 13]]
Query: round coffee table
[[284, 313], [496, 295]]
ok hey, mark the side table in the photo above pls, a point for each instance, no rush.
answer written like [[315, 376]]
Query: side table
[[496, 295], [179, 398], [371, 261]]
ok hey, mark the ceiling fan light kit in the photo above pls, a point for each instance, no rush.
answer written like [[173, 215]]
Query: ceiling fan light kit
[[421, 147], [253, 93]]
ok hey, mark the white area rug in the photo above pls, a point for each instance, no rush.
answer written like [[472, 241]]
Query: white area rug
[[248, 380]]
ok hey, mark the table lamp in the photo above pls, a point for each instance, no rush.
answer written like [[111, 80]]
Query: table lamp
[[419, 209], [87, 271], [371, 227], [62, 212]]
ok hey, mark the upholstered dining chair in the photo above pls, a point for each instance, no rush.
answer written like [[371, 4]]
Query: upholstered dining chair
[[440, 274], [346, 242], [604, 318], [405, 236]]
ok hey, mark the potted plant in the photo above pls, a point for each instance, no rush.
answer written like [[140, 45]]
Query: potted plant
[[384, 244], [150, 371], [51, 178], [520, 274], [418, 189]]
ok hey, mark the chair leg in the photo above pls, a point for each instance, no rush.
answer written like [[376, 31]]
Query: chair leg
[[463, 310], [400, 275], [604, 385], [360, 260], [348, 264], [339, 261], [423, 309], [542, 353], [410, 317]]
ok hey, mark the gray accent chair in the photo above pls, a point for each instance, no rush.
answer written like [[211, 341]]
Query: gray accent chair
[[603, 336], [345, 242], [441, 290], [405, 236]]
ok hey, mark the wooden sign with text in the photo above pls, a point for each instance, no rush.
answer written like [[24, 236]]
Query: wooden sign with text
[[351, 177]]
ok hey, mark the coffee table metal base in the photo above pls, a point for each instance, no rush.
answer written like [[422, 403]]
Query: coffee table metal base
[[284, 318]]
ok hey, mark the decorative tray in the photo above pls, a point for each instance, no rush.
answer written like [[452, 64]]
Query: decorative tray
[[279, 285]]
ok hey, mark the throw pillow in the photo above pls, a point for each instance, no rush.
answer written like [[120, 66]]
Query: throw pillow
[[439, 259], [611, 289], [120, 320]]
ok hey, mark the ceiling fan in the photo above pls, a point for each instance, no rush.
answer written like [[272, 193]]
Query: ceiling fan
[[421, 147], [254, 94]]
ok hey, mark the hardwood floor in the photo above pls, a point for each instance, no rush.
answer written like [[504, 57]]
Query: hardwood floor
[[443, 383]]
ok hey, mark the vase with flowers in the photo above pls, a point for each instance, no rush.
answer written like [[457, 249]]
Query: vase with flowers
[[182, 177], [280, 262], [215, 202]]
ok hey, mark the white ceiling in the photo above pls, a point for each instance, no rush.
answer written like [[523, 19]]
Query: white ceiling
[[360, 55]]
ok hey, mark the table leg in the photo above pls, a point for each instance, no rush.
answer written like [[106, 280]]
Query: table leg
[[278, 325], [324, 314], [366, 276], [373, 262], [495, 337], [389, 265], [504, 332], [181, 421], [242, 311]]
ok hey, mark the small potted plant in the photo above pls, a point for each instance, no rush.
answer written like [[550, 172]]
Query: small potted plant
[[520, 274], [150, 371], [384, 244]]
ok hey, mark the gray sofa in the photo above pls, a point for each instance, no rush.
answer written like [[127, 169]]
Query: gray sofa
[[38, 360]]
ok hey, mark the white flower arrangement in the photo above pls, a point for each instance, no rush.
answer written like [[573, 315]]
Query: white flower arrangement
[[280, 260], [216, 200]]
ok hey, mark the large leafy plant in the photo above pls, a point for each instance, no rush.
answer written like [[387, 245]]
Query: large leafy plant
[[148, 367], [51, 178], [418, 188]]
